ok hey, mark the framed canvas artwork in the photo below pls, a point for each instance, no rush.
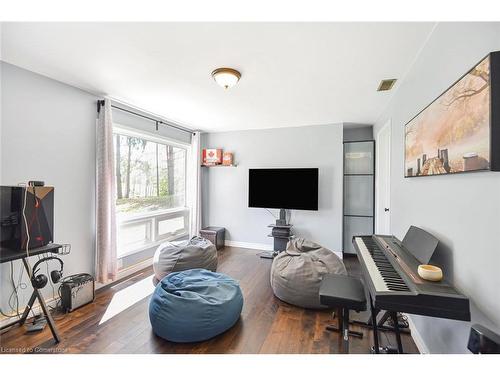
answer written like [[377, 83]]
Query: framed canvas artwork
[[460, 130]]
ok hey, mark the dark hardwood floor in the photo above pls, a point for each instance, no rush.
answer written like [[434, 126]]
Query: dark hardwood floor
[[118, 322]]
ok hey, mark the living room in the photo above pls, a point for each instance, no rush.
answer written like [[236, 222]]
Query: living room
[[249, 187]]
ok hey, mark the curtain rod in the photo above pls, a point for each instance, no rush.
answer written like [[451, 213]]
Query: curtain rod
[[101, 103]]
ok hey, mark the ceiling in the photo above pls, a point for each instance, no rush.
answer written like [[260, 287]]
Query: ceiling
[[293, 74]]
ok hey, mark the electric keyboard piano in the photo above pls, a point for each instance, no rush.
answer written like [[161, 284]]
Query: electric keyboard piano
[[394, 283], [391, 277]]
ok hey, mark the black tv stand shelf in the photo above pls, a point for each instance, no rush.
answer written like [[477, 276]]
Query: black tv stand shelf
[[281, 236]]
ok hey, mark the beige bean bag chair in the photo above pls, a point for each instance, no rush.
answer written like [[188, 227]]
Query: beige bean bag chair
[[171, 257], [296, 273]]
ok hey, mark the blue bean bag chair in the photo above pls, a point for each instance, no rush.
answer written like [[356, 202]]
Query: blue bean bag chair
[[194, 305]]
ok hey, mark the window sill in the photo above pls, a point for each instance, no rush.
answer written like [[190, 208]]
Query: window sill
[[150, 245], [149, 215]]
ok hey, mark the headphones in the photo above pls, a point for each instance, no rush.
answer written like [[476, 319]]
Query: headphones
[[39, 281]]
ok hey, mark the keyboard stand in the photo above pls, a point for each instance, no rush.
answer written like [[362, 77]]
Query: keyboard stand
[[377, 349], [381, 324]]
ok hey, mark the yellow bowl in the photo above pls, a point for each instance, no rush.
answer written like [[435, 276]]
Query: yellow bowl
[[429, 272]]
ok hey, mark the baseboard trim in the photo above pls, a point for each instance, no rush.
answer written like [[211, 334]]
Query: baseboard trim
[[126, 272], [417, 338], [249, 245], [261, 246], [36, 310]]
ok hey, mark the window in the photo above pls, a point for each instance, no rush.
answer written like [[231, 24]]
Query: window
[[151, 191]]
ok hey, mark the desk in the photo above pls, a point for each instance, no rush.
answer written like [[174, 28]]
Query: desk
[[8, 255]]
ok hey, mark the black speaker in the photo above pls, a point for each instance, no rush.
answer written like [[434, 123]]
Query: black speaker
[[483, 341]]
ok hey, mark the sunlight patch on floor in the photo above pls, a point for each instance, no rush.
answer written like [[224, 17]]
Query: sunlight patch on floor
[[127, 297]]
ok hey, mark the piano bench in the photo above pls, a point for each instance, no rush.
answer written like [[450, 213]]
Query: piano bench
[[344, 293]]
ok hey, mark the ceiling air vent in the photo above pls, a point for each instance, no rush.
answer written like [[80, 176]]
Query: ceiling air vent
[[386, 84]]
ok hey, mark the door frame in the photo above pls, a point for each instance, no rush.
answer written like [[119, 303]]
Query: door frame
[[379, 166]]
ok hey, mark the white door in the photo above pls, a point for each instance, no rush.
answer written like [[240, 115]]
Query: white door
[[383, 181]]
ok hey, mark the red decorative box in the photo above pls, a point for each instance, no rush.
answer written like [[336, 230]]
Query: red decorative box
[[212, 156]]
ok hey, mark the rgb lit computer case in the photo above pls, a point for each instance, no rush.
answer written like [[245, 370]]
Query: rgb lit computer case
[[37, 213]]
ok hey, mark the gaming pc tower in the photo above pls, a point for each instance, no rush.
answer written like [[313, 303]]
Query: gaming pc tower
[[29, 207]]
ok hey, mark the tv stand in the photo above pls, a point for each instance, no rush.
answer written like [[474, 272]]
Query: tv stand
[[282, 220], [281, 233]]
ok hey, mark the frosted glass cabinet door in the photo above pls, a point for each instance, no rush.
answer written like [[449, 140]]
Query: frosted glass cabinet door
[[355, 226], [358, 195], [358, 158]]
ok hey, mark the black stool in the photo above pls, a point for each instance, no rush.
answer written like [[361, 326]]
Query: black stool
[[344, 293]]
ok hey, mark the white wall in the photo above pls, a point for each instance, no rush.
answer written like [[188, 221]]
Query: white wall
[[463, 211], [225, 190], [48, 133]]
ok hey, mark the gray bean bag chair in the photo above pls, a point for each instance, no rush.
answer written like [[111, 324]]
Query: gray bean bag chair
[[296, 273], [171, 257]]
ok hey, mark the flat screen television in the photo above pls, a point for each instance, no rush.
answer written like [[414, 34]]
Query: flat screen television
[[288, 188]]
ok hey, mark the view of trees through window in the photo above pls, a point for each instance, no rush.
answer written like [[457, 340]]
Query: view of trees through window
[[150, 176]]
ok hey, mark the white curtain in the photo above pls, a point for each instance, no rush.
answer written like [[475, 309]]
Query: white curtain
[[194, 185], [106, 259]]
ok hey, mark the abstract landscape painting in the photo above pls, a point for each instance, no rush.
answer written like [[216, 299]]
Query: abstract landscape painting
[[452, 135]]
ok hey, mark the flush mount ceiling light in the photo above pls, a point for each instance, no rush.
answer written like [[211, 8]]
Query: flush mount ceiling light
[[226, 77]]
